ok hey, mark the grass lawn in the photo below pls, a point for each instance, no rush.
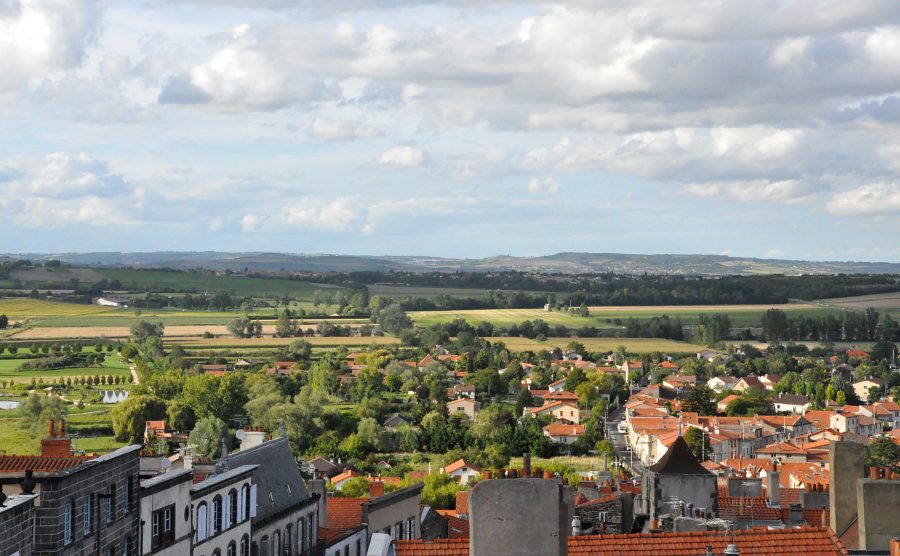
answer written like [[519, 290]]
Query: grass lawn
[[16, 440], [112, 366], [740, 315], [633, 345]]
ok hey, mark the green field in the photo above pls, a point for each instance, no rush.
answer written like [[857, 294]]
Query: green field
[[740, 315], [633, 345], [199, 283], [112, 366]]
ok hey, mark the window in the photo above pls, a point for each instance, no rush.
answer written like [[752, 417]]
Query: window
[[126, 546], [231, 550], [347, 550], [202, 520], [87, 514], [288, 532], [264, 546], [233, 507], [300, 527], [411, 528], [216, 516], [162, 527], [276, 543], [603, 517], [129, 486], [245, 502], [358, 548], [245, 545], [68, 516], [217, 552], [111, 506], [309, 532]]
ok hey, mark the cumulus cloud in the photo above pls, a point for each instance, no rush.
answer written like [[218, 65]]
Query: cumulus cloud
[[331, 130], [867, 200], [60, 189], [398, 158], [250, 222], [544, 186], [39, 37], [341, 214], [757, 191]]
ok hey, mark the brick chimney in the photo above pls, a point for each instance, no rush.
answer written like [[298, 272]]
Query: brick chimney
[[56, 445], [376, 489]]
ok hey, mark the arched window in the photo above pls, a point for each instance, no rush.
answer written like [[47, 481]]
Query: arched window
[[264, 546], [202, 521], [288, 530], [276, 543], [245, 545], [217, 552], [300, 526], [233, 510], [245, 490], [231, 550], [216, 516]]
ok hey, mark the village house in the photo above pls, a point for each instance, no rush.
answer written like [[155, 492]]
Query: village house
[[864, 387], [722, 383], [791, 403], [562, 411], [462, 471], [562, 433], [466, 406]]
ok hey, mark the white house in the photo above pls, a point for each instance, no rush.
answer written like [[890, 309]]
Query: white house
[[791, 403], [563, 434], [722, 383], [462, 471], [112, 301]]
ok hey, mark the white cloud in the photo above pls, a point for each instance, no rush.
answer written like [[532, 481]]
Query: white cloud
[[42, 36], [331, 130], [401, 157], [250, 222], [544, 186], [341, 214], [215, 224], [756, 191], [867, 200]]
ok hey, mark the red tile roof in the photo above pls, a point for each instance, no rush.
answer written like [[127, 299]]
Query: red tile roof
[[559, 429], [804, 541], [344, 513], [459, 464], [39, 464], [441, 547], [754, 542]]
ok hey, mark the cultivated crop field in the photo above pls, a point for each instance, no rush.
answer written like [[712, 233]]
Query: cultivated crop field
[[883, 302], [633, 345], [740, 315], [25, 308], [315, 341], [200, 283]]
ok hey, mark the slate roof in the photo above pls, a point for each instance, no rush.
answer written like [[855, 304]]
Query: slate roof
[[277, 471], [679, 460]]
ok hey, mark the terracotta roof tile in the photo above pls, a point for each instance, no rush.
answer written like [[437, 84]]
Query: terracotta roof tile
[[39, 464], [806, 541], [344, 513]]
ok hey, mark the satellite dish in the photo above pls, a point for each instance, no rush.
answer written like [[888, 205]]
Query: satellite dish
[[240, 434]]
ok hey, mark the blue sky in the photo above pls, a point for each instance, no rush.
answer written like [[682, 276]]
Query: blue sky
[[469, 128]]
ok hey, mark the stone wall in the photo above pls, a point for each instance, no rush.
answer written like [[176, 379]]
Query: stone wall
[[16, 522]]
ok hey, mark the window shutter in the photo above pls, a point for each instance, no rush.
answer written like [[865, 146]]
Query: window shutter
[[211, 519], [252, 500], [226, 512], [240, 516]]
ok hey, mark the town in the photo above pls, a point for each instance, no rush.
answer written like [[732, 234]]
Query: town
[[463, 446]]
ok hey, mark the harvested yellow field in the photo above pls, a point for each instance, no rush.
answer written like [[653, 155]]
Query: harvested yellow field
[[697, 308], [632, 345], [318, 341], [24, 308]]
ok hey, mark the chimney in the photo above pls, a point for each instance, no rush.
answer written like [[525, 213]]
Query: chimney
[[52, 429], [576, 526], [56, 446], [773, 488], [376, 489], [895, 546], [731, 550], [317, 486], [62, 429], [526, 459]]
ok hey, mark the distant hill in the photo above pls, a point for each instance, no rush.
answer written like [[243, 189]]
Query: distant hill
[[567, 263]]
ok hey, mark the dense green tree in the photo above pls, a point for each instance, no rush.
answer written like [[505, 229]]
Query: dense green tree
[[208, 436], [129, 416], [884, 452], [4, 321], [700, 399], [286, 325], [698, 441], [37, 410], [141, 330]]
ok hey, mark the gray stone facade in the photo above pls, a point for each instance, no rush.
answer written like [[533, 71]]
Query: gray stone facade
[[16, 523]]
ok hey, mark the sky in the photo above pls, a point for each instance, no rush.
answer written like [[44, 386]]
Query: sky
[[462, 128]]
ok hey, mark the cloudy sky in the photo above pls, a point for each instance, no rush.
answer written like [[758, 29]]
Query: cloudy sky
[[470, 128]]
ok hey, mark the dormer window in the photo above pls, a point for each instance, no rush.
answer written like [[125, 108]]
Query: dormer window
[[290, 492]]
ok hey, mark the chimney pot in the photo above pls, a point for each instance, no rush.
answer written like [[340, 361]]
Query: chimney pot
[[62, 428], [52, 428]]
